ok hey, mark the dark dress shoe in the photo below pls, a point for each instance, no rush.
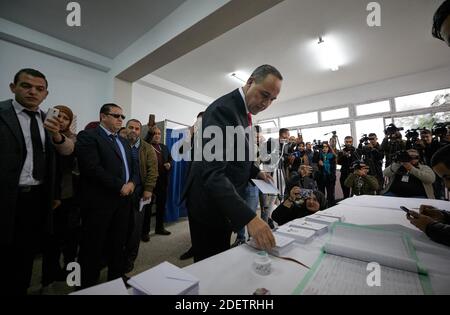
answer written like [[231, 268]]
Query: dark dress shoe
[[145, 238], [129, 268], [162, 232], [187, 255], [125, 281]]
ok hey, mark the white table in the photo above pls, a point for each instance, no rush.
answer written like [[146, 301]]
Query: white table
[[230, 273]]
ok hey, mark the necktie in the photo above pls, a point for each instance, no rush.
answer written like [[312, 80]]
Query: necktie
[[116, 147], [249, 117], [113, 139], [38, 149]]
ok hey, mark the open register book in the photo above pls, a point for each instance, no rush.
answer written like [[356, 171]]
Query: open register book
[[366, 260]]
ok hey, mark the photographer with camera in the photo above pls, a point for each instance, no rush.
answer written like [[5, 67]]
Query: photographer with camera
[[441, 133], [392, 143], [370, 151], [345, 158], [412, 139], [303, 179], [427, 146], [300, 203], [360, 182], [408, 177]]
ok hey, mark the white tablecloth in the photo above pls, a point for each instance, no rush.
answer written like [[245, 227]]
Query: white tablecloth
[[230, 273]]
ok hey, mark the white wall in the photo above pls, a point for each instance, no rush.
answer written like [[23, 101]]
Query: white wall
[[147, 100], [411, 84], [81, 88]]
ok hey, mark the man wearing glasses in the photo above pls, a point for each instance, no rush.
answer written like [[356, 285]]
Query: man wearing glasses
[[108, 178]]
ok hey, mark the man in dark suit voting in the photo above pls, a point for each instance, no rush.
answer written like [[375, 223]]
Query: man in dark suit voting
[[215, 189]]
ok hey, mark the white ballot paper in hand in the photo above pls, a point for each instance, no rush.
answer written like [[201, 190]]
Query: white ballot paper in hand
[[142, 203], [266, 188]]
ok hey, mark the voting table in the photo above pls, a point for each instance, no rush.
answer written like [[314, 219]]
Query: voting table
[[231, 272]]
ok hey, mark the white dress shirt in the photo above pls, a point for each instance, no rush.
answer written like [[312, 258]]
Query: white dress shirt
[[241, 91], [26, 176]]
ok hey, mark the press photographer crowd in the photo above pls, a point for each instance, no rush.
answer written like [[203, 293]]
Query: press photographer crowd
[[395, 168]]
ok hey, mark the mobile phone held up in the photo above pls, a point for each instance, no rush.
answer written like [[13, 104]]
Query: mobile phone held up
[[52, 113]]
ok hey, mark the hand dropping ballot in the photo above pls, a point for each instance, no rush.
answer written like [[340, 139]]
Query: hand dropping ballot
[[283, 245], [265, 187]]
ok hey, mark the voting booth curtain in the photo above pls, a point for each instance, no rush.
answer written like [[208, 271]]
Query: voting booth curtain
[[174, 208]]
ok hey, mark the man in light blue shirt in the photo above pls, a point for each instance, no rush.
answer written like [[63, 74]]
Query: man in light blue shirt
[[108, 177]]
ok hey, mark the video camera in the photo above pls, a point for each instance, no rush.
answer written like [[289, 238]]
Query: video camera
[[317, 145], [365, 139], [402, 157], [440, 129], [391, 130], [413, 134]]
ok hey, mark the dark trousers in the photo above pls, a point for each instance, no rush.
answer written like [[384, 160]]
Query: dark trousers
[[329, 186], [134, 239], [345, 189], [160, 193], [208, 241], [439, 188], [17, 258], [64, 240], [104, 237]]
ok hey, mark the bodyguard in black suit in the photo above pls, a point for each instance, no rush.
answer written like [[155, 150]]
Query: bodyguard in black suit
[[27, 167], [107, 182], [215, 190]]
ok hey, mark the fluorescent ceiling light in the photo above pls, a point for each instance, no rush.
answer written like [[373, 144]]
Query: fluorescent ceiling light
[[328, 54]]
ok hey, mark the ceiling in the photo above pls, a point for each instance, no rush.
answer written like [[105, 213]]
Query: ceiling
[[286, 35], [108, 27]]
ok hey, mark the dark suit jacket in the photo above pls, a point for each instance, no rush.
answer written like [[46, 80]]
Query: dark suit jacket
[[101, 169], [215, 191], [12, 159]]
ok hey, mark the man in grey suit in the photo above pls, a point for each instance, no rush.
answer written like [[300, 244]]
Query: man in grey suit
[[28, 144]]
